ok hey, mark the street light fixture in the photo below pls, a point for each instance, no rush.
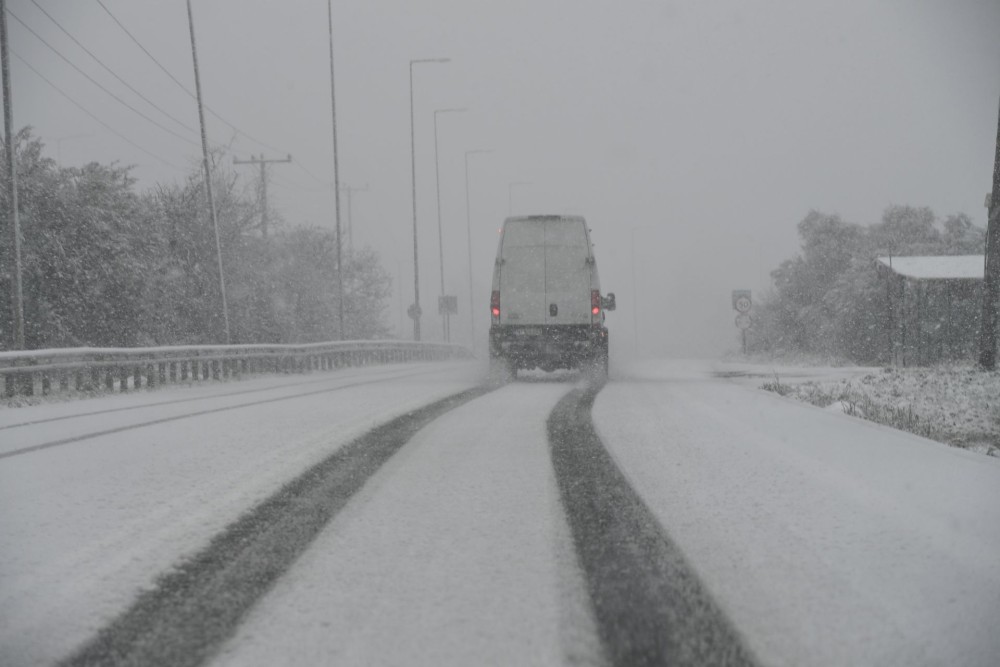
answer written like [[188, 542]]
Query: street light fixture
[[510, 195], [445, 320], [413, 180], [468, 226]]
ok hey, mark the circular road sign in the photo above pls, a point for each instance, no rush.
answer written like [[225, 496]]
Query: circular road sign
[[743, 304], [744, 321]]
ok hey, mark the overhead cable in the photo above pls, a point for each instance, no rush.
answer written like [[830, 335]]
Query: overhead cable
[[236, 129], [111, 71], [96, 83], [95, 117]]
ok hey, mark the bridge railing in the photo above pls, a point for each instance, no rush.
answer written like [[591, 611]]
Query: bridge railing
[[89, 369]]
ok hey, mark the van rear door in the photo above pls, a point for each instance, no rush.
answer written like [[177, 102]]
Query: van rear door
[[567, 272], [522, 273]]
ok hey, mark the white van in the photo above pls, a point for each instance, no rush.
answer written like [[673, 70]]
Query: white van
[[546, 307]]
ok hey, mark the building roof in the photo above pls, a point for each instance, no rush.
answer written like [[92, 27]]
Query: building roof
[[941, 267]]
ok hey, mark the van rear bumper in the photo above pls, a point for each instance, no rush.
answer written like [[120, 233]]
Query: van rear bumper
[[548, 346]]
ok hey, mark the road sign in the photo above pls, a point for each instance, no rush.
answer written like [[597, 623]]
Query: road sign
[[447, 304], [414, 311], [741, 300], [744, 321]]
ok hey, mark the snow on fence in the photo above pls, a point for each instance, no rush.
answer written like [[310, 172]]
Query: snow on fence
[[121, 369]]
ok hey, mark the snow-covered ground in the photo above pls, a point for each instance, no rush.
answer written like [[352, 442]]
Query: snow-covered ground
[[455, 553], [956, 405], [87, 524], [828, 539]]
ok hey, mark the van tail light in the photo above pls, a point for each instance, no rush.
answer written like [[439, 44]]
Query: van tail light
[[495, 305], [595, 302]]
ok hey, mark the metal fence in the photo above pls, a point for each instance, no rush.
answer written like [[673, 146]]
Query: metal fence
[[123, 369]]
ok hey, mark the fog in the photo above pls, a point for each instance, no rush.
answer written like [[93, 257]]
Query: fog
[[693, 136]]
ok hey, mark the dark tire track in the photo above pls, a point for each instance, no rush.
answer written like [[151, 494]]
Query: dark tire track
[[649, 605], [193, 609]]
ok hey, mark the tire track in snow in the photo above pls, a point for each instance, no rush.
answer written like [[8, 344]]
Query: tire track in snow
[[194, 608], [650, 607]]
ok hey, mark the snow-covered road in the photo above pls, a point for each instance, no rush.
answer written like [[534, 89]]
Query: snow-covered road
[[825, 540], [86, 524], [829, 540]]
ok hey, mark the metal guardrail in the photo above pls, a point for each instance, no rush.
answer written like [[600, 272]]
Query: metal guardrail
[[93, 369]]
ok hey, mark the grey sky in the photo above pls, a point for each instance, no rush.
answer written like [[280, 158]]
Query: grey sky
[[709, 128]]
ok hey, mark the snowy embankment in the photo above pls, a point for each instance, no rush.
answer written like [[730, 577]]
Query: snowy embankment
[[959, 406]]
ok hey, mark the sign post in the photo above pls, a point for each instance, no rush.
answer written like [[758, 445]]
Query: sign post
[[742, 303]]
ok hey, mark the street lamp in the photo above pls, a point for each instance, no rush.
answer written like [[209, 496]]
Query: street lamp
[[445, 321], [510, 195], [413, 180], [468, 226]]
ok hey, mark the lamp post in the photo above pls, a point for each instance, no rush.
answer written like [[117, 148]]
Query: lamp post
[[510, 195], [468, 227], [437, 182], [336, 182], [413, 181]]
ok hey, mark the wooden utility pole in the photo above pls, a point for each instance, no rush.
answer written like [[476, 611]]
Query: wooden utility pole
[[336, 179], [263, 162], [991, 273], [208, 177], [14, 225]]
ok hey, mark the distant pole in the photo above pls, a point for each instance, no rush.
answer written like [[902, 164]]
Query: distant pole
[[413, 181], [263, 162], [17, 292], [336, 180], [437, 184], [991, 272], [208, 176], [468, 229]]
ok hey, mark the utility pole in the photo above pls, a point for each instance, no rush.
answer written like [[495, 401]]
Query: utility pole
[[350, 223], [208, 176], [17, 292], [991, 271], [445, 319], [336, 178], [263, 162], [468, 231], [413, 182]]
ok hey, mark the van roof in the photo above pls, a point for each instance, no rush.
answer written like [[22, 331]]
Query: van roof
[[544, 218]]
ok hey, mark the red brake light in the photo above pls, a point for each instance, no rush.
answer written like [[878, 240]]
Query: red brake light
[[495, 303], [595, 302]]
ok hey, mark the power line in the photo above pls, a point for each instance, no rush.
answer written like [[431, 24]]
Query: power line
[[96, 83], [84, 110], [111, 71], [180, 85]]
